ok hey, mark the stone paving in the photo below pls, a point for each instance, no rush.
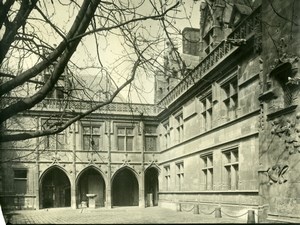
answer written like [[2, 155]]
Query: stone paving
[[119, 215]]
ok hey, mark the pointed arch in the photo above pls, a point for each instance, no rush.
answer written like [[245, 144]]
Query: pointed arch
[[125, 187], [151, 185], [90, 180], [55, 188], [123, 168], [153, 165]]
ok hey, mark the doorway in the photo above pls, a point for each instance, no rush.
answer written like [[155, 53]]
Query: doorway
[[56, 189], [151, 186], [91, 182], [125, 189]]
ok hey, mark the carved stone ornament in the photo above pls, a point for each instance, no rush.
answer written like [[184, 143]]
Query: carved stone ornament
[[288, 130], [276, 174]]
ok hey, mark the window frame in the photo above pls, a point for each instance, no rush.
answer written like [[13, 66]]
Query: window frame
[[180, 175], [179, 127], [53, 137], [231, 168], [126, 136], [152, 135], [166, 134], [230, 96], [167, 170], [18, 180], [206, 101], [208, 170], [91, 136]]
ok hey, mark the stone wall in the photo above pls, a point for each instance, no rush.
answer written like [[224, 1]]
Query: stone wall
[[280, 118]]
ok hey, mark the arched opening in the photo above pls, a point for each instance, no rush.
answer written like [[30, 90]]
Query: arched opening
[[56, 189], [91, 182], [151, 186], [125, 189]]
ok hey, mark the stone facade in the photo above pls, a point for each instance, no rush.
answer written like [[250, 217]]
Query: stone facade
[[225, 135], [280, 116]]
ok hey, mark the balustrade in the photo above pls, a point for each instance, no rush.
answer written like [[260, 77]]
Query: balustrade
[[243, 31], [81, 105]]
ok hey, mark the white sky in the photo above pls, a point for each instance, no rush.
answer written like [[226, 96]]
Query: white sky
[[111, 46]]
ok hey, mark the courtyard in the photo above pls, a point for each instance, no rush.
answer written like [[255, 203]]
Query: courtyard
[[118, 215]]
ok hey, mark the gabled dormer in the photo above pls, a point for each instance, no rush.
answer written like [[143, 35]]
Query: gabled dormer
[[214, 19]]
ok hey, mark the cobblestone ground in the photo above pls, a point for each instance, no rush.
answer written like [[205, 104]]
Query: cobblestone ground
[[125, 215]]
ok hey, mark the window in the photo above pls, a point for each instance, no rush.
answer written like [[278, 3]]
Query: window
[[59, 89], [125, 138], [284, 77], [59, 92], [20, 181], [207, 112], [167, 177], [208, 171], [190, 41], [55, 141], [231, 166], [166, 135], [180, 175], [150, 138], [230, 93], [179, 128], [209, 41], [91, 137]]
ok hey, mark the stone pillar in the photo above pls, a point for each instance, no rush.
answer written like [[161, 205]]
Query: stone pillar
[[142, 202], [142, 190], [149, 201], [73, 174], [196, 209], [251, 216], [178, 208], [37, 172], [108, 203], [218, 212]]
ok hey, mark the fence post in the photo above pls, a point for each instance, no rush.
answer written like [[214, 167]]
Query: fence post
[[218, 212], [251, 216], [196, 209], [178, 207]]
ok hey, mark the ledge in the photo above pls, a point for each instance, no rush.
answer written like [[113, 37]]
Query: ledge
[[281, 112], [249, 80], [213, 129], [278, 218], [268, 95], [210, 192], [17, 195]]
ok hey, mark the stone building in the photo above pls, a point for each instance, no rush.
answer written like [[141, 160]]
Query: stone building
[[225, 135]]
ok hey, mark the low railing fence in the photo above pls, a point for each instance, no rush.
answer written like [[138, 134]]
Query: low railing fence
[[218, 211]]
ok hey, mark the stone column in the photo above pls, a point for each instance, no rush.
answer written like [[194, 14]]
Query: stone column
[[37, 172], [73, 175], [108, 183], [142, 203]]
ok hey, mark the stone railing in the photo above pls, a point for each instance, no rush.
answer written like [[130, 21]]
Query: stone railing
[[81, 106], [243, 31]]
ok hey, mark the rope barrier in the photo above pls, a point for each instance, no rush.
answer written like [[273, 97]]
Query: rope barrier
[[207, 213], [188, 209], [235, 216]]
